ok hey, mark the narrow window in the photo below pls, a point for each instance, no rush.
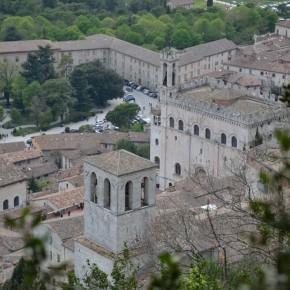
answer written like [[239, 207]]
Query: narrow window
[[196, 130], [94, 183], [128, 195], [5, 204], [234, 142], [144, 191], [171, 122], [207, 133], [107, 193], [180, 125], [16, 201], [156, 141], [157, 161], [177, 169], [223, 139]]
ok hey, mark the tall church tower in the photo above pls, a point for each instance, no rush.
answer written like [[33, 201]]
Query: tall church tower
[[119, 202], [168, 78], [169, 83]]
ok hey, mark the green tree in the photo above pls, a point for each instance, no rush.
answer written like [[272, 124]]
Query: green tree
[[1, 113], [143, 150], [199, 279], [15, 116], [169, 276], [57, 94], [92, 83], [8, 72], [123, 115], [10, 33], [39, 66], [181, 38], [127, 145], [18, 86]]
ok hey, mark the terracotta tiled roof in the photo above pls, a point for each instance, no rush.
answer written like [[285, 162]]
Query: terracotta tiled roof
[[198, 52], [40, 170], [11, 147], [283, 68], [23, 155], [284, 23], [9, 173], [85, 142], [120, 162], [64, 199], [24, 46], [67, 228]]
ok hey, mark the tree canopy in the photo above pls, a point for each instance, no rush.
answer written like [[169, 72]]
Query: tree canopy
[[142, 22], [123, 115], [92, 83]]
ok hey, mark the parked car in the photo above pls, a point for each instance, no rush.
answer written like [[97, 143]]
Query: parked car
[[129, 98], [126, 82], [74, 130], [127, 89], [153, 95], [146, 91], [100, 122], [140, 88]]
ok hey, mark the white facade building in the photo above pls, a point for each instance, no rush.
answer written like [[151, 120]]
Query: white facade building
[[202, 128]]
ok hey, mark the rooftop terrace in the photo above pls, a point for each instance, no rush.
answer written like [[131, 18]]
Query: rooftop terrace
[[229, 104]]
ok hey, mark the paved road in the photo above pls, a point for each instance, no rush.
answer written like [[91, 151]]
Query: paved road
[[142, 100]]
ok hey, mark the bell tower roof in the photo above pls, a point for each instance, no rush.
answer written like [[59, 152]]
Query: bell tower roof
[[120, 162]]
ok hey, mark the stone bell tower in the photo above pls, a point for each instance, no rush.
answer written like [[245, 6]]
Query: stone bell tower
[[168, 78], [118, 205]]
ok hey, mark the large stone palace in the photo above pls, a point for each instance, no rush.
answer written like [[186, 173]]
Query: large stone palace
[[130, 61]]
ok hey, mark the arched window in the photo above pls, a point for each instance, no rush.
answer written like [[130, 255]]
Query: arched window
[[157, 161], [94, 183], [207, 133], [234, 142], [171, 122], [128, 195], [16, 201], [144, 191], [180, 125], [156, 141], [107, 193], [177, 169], [5, 204], [223, 138], [196, 130]]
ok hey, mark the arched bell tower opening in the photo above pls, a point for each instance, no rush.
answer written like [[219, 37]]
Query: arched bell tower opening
[[128, 195], [164, 77], [107, 193], [169, 60], [144, 191], [93, 187]]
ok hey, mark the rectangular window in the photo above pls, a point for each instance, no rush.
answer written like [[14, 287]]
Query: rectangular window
[[58, 258]]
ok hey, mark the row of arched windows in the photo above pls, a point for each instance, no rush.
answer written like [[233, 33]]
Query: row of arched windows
[[128, 192], [5, 205], [196, 132]]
